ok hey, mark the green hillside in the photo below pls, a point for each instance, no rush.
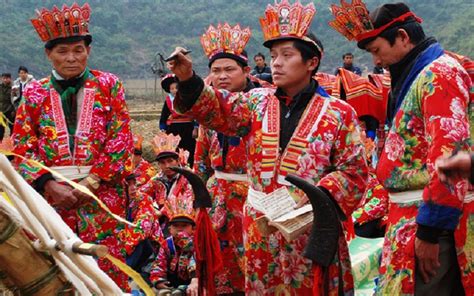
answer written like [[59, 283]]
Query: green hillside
[[128, 33]]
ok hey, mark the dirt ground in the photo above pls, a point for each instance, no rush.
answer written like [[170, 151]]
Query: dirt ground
[[145, 122]]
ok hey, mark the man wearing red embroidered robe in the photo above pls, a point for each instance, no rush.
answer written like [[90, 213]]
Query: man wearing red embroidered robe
[[76, 123], [428, 244], [220, 160], [295, 129]]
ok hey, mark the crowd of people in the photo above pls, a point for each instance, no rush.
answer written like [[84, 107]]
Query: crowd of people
[[391, 156]]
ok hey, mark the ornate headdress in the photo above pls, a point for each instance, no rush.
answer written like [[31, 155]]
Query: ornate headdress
[[165, 145], [69, 22], [226, 42], [180, 208], [284, 21], [354, 22]]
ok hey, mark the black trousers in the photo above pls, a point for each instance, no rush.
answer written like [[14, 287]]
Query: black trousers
[[447, 281], [185, 131]]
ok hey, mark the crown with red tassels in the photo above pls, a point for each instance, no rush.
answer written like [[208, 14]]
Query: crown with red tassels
[[287, 21], [225, 39], [67, 22], [353, 21]]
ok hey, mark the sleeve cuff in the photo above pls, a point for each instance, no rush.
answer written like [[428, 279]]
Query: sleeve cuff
[[188, 93], [39, 183], [428, 234]]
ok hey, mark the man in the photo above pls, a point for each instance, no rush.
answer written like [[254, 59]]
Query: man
[[428, 247], [261, 70], [6, 106], [295, 129], [76, 123], [24, 78], [220, 160], [348, 59]]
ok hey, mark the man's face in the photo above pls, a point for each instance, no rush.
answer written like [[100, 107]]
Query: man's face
[[288, 68], [69, 59], [348, 60], [23, 75], [384, 54], [259, 61], [227, 74], [6, 80], [166, 163], [174, 88], [178, 227]]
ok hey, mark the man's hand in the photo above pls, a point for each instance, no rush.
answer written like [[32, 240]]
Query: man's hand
[[427, 259], [195, 133], [181, 65], [193, 287], [83, 198], [455, 167], [163, 285], [61, 195]]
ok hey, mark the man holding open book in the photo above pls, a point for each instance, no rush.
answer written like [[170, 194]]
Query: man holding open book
[[294, 129]]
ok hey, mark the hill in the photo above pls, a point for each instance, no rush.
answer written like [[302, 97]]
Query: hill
[[129, 33]]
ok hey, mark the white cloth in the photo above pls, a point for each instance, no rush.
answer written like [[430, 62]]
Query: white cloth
[[231, 177], [72, 172], [417, 195]]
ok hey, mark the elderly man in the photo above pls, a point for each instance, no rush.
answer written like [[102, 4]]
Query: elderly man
[[76, 122]]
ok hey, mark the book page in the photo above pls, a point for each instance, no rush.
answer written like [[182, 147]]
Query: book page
[[293, 228], [294, 213], [278, 203]]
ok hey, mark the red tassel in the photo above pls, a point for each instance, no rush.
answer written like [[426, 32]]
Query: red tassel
[[208, 253], [318, 280]]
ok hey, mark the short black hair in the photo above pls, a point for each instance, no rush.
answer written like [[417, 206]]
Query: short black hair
[[347, 54], [22, 68], [413, 29], [259, 55], [52, 43], [308, 52], [7, 75]]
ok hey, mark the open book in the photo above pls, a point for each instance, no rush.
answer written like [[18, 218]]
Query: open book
[[280, 214]]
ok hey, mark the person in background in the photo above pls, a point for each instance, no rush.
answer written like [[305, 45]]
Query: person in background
[[6, 106], [176, 124], [220, 160], [261, 70], [348, 64], [24, 78]]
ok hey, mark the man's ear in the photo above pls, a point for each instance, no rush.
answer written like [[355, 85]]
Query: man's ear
[[47, 52], [313, 63], [246, 70], [404, 37]]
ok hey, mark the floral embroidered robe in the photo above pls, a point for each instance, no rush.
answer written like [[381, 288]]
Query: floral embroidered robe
[[141, 210], [103, 140], [374, 203], [180, 198], [433, 121], [143, 172], [228, 199], [331, 156], [175, 262]]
